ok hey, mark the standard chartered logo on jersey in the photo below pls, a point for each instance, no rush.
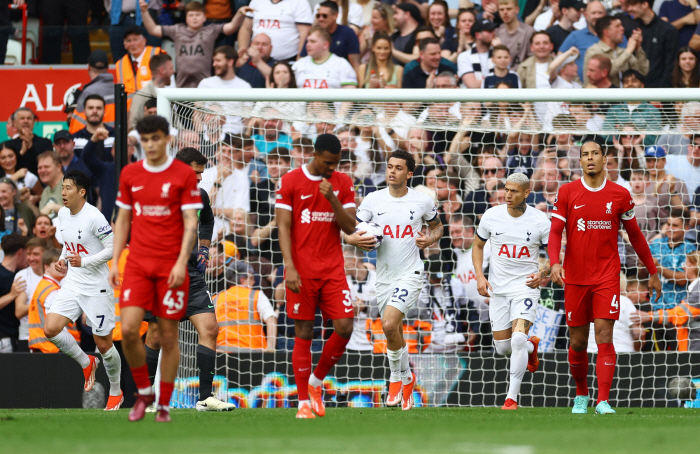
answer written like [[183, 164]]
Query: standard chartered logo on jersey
[[593, 225], [316, 216]]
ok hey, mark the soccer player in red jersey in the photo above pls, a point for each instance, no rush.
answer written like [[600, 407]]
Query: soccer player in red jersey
[[158, 200], [591, 209], [314, 203]]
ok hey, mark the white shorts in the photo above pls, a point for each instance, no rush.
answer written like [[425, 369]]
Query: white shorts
[[99, 310], [402, 294], [503, 309]]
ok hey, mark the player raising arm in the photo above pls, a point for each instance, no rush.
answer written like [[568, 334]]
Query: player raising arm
[[313, 204], [591, 209], [401, 212], [158, 200], [516, 231]]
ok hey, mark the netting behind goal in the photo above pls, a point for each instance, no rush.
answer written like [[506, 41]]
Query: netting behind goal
[[463, 150]]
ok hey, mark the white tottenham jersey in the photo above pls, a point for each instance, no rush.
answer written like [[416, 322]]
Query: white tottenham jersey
[[279, 21], [515, 244], [332, 73], [400, 218], [365, 291], [89, 235]]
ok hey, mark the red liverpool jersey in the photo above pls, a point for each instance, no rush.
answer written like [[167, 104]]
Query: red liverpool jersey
[[316, 248], [592, 217], [157, 196]]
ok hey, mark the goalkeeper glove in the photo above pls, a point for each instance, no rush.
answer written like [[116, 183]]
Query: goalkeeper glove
[[202, 259]]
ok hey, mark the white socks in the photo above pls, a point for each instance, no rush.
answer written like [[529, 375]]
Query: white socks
[[113, 367], [503, 347], [518, 363], [67, 344], [405, 366], [394, 364], [315, 381]]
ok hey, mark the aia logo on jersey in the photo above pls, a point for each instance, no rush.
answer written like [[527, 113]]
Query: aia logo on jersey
[[269, 23], [407, 232], [165, 191], [76, 248], [191, 50], [313, 83], [512, 251], [466, 278]]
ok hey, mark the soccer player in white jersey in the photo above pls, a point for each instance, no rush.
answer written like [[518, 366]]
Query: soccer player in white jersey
[[401, 212], [87, 248], [516, 232]]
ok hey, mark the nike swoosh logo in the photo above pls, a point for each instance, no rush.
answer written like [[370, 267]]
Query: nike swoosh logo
[[306, 368], [609, 364], [348, 309], [576, 207], [63, 230], [210, 306], [137, 188], [304, 197], [379, 214], [614, 312], [500, 233]]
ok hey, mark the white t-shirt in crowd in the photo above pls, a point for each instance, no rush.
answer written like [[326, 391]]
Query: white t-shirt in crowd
[[234, 124], [279, 21], [401, 218], [542, 22], [234, 193], [366, 291], [332, 73], [465, 64], [28, 181], [515, 244], [622, 340], [32, 281]]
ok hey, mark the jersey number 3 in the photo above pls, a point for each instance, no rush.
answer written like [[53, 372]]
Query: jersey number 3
[[174, 306]]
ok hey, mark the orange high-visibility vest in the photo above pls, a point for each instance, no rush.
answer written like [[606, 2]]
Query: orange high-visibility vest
[[240, 326], [417, 335], [125, 72], [680, 316], [37, 318], [117, 333]]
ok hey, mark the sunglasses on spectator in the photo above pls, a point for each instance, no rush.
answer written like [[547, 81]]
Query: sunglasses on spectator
[[321, 16], [489, 171]]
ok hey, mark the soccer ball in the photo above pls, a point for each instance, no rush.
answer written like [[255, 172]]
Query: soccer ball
[[372, 229], [681, 388]]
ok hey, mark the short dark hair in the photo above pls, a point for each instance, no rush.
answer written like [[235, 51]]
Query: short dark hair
[[327, 142], [280, 153], [151, 103], [603, 23], [679, 213], [36, 242], [96, 97], [406, 156], [424, 43], [158, 60], [12, 243], [541, 32], [50, 255], [188, 155], [634, 73], [195, 6], [639, 2], [228, 51], [238, 142], [500, 47], [152, 124], [79, 179], [330, 4]]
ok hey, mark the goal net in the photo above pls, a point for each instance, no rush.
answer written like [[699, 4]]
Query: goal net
[[465, 143]]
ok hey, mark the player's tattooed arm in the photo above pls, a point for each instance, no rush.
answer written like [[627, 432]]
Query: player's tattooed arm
[[546, 270], [436, 231]]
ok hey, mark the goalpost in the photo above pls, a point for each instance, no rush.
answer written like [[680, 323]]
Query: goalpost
[[454, 135]]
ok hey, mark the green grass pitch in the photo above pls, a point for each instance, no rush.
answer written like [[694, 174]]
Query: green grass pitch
[[354, 430]]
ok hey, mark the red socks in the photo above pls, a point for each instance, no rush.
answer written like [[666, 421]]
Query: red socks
[[605, 370], [301, 363], [332, 351], [578, 365], [141, 376], [166, 391]]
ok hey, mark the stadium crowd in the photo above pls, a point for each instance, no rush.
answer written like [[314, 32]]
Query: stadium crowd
[[462, 154]]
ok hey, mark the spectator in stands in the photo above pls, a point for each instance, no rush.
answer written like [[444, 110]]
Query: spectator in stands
[[586, 37], [671, 192], [343, 42], [161, 69], [422, 33], [534, 71], [51, 176], [628, 332], [424, 74], [643, 114], [685, 71], [682, 16], [548, 179], [352, 14], [515, 35], [23, 178], [439, 22], [522, 156], [94, 118], [501, 73], [262, 194], [348, 166], [686, 168], [286, 23], [28, 145], [55, 15], [381, 20], [270, 134], [101, 83], [563, 70], [302, 152], [646, 212], [45, 230], [612, 34], [363, 294], [15, 259], [570, 11], [237, 229], [630, 148], [19, 217], [65, 149], [660, 42], [407, 18], [29, 277], [669, 254], [463, 38], [281, 76], [10, 129], [476, 203], [255, 63], [194, 41], [124, 14], [476, 63], [239, 330], [380, 71], [133, 70], [598, 71], [612, 169], [321, 68]]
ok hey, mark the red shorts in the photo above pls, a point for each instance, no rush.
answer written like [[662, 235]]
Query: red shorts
[[331, 295], [145, 285], [585, 303]]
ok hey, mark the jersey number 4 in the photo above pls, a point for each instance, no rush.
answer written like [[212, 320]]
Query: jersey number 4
[[614, 305], [174, 306]]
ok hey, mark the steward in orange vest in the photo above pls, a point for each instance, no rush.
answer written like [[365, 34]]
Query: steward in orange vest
[[416, 335], [37, 314], [131, 71], [101, 83], [686, 318], [117, 333]]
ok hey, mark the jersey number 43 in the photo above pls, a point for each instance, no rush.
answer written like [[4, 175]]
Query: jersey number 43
[[174, 305]]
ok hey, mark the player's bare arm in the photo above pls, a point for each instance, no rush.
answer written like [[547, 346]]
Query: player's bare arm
[[534, 279], [345, 217], [284, 224], [121, 232], [177, 274], [357, 240], [436, 231], [482, 285]]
